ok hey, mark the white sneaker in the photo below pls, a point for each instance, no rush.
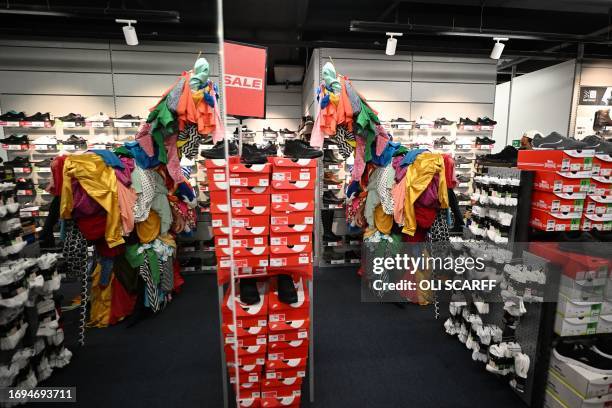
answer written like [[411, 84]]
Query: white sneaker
[[100, 117]]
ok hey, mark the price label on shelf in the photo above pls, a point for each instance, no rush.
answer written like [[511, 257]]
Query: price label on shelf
[[123, 124], [355, 261], [333, 187], [333, 167], [280, 198], [337, 261], [278, 176], [96, 124], [9, 124], [69, 124]]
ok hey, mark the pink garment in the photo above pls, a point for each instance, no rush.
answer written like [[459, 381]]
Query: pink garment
[[124, 175], [429, 197], [360, 163], [145, 140], [449, 171], [82, 204], [398, 192], [381, 139], [400, 171], [219, 132], [127, 199], [174, 164], [316, 137]]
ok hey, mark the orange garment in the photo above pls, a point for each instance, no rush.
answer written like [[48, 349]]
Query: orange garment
[[127, 199], [344, 111], [398, 192], [149, 229], [186, 110]]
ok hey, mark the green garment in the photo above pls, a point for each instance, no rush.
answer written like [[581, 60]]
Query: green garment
[[366, 125], [160, 203], [132, 256], [136, 259], [401, 150], [162, 125], [201, 70], [330, 77], [153, 265], [122, 151]]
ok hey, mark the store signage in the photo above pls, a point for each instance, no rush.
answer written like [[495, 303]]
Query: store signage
[[245, 80], [596, 95]]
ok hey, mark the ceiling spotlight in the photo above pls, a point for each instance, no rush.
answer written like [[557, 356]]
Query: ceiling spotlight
[[129, 32], [392, 43], [498, 48]]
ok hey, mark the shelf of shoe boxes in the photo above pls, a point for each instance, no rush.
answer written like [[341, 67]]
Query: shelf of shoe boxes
[[46, 139], [572, 191], [272, 207], [32, 347]]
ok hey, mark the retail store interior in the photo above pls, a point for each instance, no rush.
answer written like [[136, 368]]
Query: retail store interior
[[181, 226]]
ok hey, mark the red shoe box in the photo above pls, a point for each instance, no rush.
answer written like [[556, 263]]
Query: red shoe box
[[576, 266], [216, 185], [223, 274], [290, 259], [282, 374], [287, 382], [288, 330], [243, 351], [558, 202], [240, 221], [216, 174], [236, 167], [595, 221], [562, 182], [247, 341], [294, 185], [546, 221], [251, 373], [215, 163], [263, 209], [290, 239], [239, 200], [602, 165], [241, 252], [280, 162], [229, 330], [601, 185], [276, 306], [291, 229], [247, 389], [246, 315], [246, 361], [556, 160], [291, 218], [248, 191], [598, 205], [297, 197], [294, 173], [242, 242], [281, 402], [249, 403], [253, 262], [303, 206], [282, 354], [304, 271], [242, 232], [249, 179], [288, 315], [293, 390]]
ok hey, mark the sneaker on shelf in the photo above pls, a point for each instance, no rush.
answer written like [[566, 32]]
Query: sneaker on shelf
[[580, 354], [330, 198], [467, 122], [19, 161], [209, 260], [598, 144], [251, 154], [76, 141], [424, 122], [484, 141], [267, 131], [38, 117], [330, 177], [555, 141], [443, 141], [72, 117], [15, 140], [192, 262], [602, 119], [350, 255], [270, 149], [24, 184], [244, 130], [12, 116], [45, 141], [462, 160], [463, 178], [218, 151], [298, 149], [330, 158], [128, 117], [443, 122], [399, 120], [100, 117], [330, 255], [327, 142], [508, 155], [486, 121], [286, 289], [287, 133], [248, 291]]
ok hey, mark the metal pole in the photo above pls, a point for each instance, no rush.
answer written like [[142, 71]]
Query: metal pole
[[223, 359]]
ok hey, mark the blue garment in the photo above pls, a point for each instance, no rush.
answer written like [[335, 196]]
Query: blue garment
[[185, 191], [353, 188], [387, 154], [106, 271], [141, 158], [109, 158], [411, 156]]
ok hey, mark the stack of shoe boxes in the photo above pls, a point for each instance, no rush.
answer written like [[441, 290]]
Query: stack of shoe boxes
[[572, 189]]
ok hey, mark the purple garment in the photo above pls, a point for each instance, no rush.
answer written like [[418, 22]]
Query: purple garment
[[125, 175], [174, 163], [400, 171], [360, 164], [82, 204], [381, 139], [429, 197], [145, 140]]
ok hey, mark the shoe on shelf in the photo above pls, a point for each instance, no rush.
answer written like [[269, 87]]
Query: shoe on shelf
[[75, 140], [443, 122], [463, 178], [19, 161], [270, 130], [128, 117], [327, 142], [580, 354], [462, 160], [45, 140], [329, 236], [100, 117], [330, 158], [486, 121], [251, 154], [24, 184], [598, 144], [71, 117], [330, 177], [15, 140], [218, 150], [349, 255], [330, 255], [484, 141], [270, 149], [443, 141], [209, 260], [399, 120], [38, 117], [286, 289], [192, 262], [555, 141], [330, 198], [467, 122], [12, 116], [298, 149], [602, 119], [248, 291], [508, 155]]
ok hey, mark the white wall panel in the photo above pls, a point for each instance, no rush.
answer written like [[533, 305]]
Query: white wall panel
[[278, 95], [325, 53], [451, 111], [168, 46], [541, 100], [138, 106], [383, 90], [36, 83], [373, 69], [159, 62], [391, 110], [596, 73], [438, 92], [424, 71], [453, 59], [52, 59], [144, 85], [58, 105], [500, 113], [283, 112]]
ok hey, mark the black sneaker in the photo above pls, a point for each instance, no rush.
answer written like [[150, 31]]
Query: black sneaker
[[555, 141], [330, 198], [218, 151], [251, 154], [442, 141], [286, 289], [286, 131], [486, 121], [15, 140], [72, 117], [352, 255], [24, 184], [330, 255], [270, 130], [12, 116], [298, 149], [209, 260], [399, 120], [462, 178], [191, 263], [248, 291], [44, 163], [329, 236], [19, 161], [598, 144], [484, 141], [584, 356], [443, 122], [244, 130], [75, 140], [270, 149], [467, 122], [508, 155], [462, 160], [38, 117], [330, 157], [128, 117]]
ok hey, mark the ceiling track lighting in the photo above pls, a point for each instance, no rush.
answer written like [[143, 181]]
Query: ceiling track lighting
[[392, 43], [129, 32], [498, 48]]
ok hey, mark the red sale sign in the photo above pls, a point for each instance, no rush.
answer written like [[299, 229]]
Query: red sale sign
[[245, 80]]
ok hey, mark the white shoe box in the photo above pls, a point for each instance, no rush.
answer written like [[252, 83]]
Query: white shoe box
[[605, 324], [577, 308], [587, 384], [576, 326], [568, 398], [552, 401], [584, 290]]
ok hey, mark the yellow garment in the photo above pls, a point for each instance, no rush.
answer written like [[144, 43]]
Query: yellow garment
[[417, 179], [383, 222], [100, 182], [168, 239], [100, 300], [149, 229], [197, 96], [333, 98], [369, 232]]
